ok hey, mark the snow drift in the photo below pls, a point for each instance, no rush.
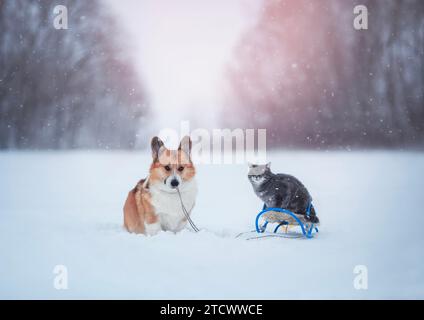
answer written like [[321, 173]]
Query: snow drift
[[65, 208]]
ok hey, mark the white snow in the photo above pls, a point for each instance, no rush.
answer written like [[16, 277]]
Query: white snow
[[66, 209]]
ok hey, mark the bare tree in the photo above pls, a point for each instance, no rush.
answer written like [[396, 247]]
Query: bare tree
[[304, 73], [66, 88]]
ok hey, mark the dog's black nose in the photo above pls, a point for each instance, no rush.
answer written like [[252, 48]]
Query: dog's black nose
[[174, 183]]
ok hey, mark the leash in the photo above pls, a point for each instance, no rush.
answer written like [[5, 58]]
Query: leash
[[186, 213]]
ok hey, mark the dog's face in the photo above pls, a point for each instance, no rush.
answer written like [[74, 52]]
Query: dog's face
[[171, 169]]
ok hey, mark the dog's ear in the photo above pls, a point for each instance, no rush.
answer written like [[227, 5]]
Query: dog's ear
[[268, 165], [156, 145], [185, 145]]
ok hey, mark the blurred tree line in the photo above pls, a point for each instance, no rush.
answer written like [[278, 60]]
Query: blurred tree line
[[71, 88], [304, 73]]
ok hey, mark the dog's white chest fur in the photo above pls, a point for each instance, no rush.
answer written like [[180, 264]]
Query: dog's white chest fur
[[168, 205]]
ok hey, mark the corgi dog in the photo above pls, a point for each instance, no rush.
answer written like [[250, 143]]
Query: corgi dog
[[155, 203]]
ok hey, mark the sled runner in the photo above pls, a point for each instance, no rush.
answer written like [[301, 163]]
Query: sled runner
[[285, 218], [253, 235]]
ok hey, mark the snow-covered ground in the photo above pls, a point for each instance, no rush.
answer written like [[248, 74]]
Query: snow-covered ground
[[66, 209]]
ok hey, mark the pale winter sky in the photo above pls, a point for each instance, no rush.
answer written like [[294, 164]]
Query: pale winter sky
[[181, 49]]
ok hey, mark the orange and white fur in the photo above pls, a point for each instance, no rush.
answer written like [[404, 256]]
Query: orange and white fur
[[154, 204]]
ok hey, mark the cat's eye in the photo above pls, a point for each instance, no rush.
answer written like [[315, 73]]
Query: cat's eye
[[167, 168], [180, 169]]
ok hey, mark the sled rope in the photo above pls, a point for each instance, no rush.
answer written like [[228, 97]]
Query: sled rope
[[186, 213]]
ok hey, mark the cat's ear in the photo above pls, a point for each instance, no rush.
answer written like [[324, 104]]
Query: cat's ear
[[252, 165], [268, 165]]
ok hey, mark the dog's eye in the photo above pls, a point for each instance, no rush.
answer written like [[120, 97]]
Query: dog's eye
[[180, 169], [167, 168]]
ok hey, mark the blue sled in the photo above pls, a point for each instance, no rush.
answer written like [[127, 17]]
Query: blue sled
[[306, 230]]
